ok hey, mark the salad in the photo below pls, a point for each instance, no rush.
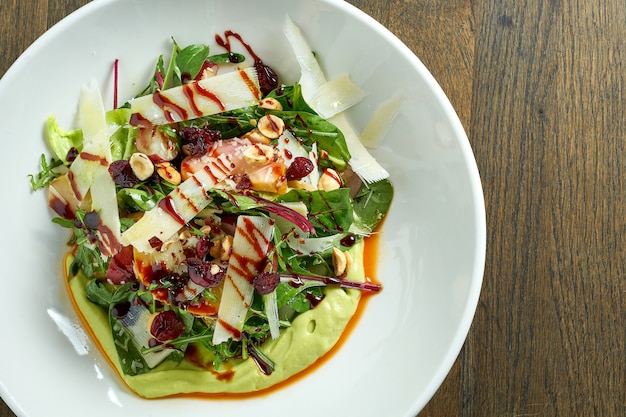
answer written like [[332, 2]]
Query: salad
[[217, 219]]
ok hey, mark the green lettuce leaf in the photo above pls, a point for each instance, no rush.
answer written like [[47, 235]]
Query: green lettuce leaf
[[61, 141], [123, 139]]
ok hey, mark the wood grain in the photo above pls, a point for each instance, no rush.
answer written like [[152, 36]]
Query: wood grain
[[540, 88]]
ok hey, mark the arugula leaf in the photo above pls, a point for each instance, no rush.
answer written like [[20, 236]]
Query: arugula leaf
[[47, 173], [293, 262], [98, 293], [296, 296], [88, 257], [233, 203], [170, 72], [136, 199], [156, 83]]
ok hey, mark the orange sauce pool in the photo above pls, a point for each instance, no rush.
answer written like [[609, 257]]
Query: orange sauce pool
[[370, 258]]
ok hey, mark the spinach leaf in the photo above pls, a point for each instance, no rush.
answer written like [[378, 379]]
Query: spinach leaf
[[330, 212], [232, 123], [372, 202], [312, 128], [227, 58], [291, 99], [189, 61]]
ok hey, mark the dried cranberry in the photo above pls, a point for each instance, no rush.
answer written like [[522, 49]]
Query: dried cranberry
[[196, 140], [204, 273], [203, 246], [266, 282], [348, 241], [166, 326], [120, 268], [71, 154], [155, 243], [123, 174], [268, 80], [299, 168], [244, 183]]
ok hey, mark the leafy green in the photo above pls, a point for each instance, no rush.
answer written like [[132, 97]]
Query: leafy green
[[372, 202], [291, 99], [131, 359], [47, 173], [185, 62], [123, 139], [156, 82], [312, 128], [294, 262], [136, 199], [169, 79], [98, 293], [330, 212], [61, 141], [232, 123], [227, 58], [190, 60], [297, 296], [87, 257]]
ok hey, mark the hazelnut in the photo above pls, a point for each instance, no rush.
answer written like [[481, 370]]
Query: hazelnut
[[255, 136], [227, 244], [168, 173], [141, 165], [270, 103], [258, 154], [271, 126], [329, 180], [342, 261]]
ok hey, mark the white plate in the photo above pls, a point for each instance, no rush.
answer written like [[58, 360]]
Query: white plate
[[432, 247]]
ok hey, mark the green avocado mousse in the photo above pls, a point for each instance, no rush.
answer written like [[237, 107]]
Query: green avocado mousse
[[310, 336], [217, 221]]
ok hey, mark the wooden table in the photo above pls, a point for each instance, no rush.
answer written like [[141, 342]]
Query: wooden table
[[541, 88]]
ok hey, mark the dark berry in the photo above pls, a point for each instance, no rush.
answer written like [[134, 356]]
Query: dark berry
[[299, 168]]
